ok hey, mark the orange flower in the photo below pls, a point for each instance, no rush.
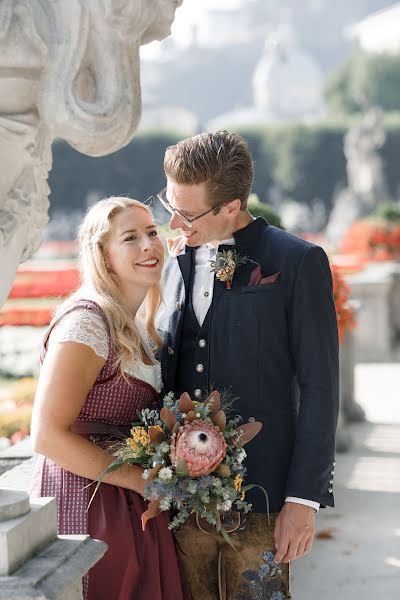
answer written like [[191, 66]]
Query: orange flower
[[372, 238], [344, 313]]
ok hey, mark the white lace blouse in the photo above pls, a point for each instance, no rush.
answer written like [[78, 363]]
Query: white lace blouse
[[87, 327]]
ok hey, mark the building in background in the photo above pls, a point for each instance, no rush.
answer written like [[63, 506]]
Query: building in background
[[378, 32]]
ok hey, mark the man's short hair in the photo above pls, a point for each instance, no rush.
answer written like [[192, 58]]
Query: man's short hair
[[220, 159]]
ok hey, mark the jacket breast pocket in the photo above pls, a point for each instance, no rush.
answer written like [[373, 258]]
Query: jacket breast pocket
[[267, 288]]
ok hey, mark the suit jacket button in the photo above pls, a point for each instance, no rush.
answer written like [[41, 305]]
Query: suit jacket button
[[178, 306], [251, 419], [170, 351], [330, 490], [197, 393]]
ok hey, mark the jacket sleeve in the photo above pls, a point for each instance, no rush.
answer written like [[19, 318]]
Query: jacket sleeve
[[315, 352]]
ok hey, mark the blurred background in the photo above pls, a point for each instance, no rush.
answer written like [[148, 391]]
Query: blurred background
[[314, 87]]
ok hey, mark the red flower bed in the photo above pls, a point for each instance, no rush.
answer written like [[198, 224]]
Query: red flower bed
[[39, 284], [36, 317]]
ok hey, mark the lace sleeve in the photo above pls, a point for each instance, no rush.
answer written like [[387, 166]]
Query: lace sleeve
[[84, 326]]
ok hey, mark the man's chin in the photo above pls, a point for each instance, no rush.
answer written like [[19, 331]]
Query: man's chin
[[190, 240]]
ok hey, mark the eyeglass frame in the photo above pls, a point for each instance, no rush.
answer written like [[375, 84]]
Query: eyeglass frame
[[188, 222]]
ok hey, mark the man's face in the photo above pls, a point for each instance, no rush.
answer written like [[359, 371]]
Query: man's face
[[191, 201]]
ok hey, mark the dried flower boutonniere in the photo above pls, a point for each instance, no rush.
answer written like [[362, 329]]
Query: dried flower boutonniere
[[225, 264]]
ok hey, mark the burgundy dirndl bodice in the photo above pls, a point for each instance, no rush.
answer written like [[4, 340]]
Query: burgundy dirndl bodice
[[138, 565]]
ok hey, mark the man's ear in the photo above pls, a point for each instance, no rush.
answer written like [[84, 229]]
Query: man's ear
[[233, 207]]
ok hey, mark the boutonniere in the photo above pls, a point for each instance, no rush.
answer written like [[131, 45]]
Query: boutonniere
[[225, 264]]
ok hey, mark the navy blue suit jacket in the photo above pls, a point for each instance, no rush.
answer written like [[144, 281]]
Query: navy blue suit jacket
[[274, 346]]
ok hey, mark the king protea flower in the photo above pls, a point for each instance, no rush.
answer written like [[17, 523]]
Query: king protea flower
[[201, 445]]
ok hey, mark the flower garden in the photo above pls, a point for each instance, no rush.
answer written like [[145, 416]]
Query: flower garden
[[39, 286]]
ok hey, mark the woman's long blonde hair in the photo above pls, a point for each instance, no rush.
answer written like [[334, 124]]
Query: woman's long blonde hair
[[93, 235]]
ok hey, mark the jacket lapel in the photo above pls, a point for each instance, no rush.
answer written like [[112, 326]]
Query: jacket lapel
[[185, 265]]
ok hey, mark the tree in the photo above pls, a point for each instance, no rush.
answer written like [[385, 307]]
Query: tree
[[372, 79]]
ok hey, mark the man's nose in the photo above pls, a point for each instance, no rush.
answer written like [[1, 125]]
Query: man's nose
[[175, 222]]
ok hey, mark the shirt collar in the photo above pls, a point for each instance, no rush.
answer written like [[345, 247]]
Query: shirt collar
[[214, 248]]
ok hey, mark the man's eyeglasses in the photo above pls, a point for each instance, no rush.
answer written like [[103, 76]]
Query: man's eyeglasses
[[162, 196]]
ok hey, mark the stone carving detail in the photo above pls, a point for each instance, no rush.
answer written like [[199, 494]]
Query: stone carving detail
[[69, 70]]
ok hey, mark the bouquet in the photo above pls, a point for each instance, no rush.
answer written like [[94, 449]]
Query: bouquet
[[192, 456]]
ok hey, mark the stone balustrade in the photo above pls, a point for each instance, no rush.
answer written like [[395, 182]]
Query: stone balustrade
[[34, 561], [377, 289]]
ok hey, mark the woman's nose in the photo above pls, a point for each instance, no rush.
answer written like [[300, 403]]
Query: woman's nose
[[146, 242]]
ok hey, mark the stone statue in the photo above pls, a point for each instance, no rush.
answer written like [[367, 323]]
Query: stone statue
[[367, 186], [69, 69]]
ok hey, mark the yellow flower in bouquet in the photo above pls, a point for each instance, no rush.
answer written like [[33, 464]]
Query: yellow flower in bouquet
[[139, 441]]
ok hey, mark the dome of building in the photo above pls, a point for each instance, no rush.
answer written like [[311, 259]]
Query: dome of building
[[287, 81]]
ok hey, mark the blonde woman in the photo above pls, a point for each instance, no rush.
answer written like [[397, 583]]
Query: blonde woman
[[98, 370]]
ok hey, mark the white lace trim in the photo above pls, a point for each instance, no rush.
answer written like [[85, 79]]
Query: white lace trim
[[87, 327]]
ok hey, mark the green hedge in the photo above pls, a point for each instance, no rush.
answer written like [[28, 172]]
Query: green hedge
[[305, 161]]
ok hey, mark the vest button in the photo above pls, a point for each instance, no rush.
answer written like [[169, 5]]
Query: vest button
[[197, 393], [330, 490], [251, 419], [178, 306], [199, 368], [170, 351], [202, 343]]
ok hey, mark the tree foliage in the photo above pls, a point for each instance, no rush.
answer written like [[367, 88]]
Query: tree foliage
[[365, 79]]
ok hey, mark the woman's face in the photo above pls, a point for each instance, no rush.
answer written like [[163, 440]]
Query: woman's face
[[134, 250]]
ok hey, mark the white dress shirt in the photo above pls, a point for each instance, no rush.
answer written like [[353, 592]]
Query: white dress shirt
[[202, 293]]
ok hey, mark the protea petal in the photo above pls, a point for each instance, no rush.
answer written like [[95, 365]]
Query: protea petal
[[214, 400], [191, 416], [186, 404], [168, 417], [156, 436], [219, 420], [248, 431]]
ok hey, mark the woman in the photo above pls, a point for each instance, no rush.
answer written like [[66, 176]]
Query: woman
[[98, 370]]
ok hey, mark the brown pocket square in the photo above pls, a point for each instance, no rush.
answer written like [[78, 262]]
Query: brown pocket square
[[256, 277]]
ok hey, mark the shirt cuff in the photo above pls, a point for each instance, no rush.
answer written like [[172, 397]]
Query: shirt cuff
[[314, 505]]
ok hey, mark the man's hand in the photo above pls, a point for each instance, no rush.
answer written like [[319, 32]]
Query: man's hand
[[175, 245], [294, 531]]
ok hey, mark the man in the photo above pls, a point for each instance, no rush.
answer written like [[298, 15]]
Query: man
[[270, 337]]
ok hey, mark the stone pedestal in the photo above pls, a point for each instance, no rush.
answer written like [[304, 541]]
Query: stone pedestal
[[376, 288], [349, 410], [34, 561]]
